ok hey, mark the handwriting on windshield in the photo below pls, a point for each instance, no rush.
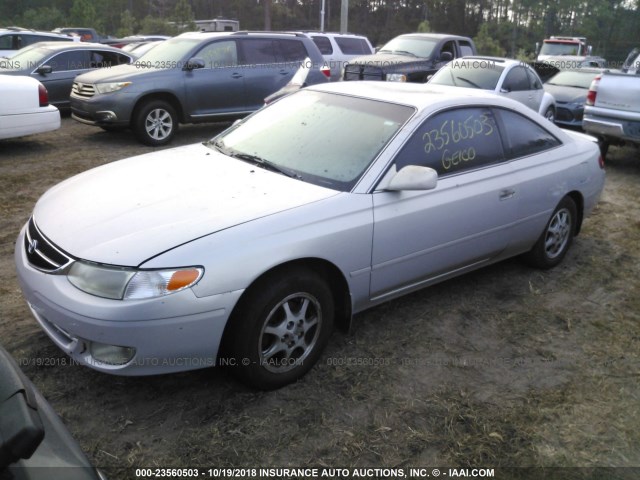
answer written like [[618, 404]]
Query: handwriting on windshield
[[449, 139]]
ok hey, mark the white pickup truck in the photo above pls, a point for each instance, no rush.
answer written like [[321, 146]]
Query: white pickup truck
[[612, 111]]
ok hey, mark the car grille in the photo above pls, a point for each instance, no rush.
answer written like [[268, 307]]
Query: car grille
[[564, 115], [86, 90], [41, 253], [362, 72]]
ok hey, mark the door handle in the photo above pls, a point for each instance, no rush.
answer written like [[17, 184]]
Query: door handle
[[507, 194], [284, 72], [236, 75]]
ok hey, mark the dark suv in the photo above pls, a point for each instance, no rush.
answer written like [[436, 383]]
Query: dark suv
[[410, 58], [194, 77]]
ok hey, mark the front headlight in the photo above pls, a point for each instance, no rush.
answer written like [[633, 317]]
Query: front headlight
[[396, 77], [111, 87], [122, 283]]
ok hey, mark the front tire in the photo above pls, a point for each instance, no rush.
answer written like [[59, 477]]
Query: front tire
[[280, 328], [155, 123], [556, 238], [550, 114]]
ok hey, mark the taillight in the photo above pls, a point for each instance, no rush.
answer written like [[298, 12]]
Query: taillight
[[593, 91], [43, 96], [326, 70], [601, 162]]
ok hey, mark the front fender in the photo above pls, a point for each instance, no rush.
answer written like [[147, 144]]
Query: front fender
[[547, 101]]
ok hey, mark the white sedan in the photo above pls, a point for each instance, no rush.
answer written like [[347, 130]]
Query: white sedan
[[25, 108], [506, 77], [245, 251]]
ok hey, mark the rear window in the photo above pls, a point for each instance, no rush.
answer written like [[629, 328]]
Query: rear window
[[352, 46], [466, 49], [258, 51], [291, 51], [323, 44], [480, 74], [573, 79]]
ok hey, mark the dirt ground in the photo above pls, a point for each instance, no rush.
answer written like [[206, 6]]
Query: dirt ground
[[504, 367]]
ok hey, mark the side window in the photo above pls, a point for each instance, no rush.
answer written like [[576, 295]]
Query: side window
[[291, 51], [31, 39], [258, 51], [67, 61], [449, 47], [516, 80], [101, 59], [534, 81], [352, 46], [323, 44], [19, 41], [6, 42], [219, 54], [524, 136], [454, 140], [465, 48]]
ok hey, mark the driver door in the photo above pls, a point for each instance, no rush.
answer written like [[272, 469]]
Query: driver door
[[421, 236], [219, 87]]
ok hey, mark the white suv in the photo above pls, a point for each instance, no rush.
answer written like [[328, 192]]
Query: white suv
[[13, 39], [338, 48]]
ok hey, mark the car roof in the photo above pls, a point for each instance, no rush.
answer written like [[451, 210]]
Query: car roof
[[434, 36], [419, 95], [74, 45], [333, 34], [205, 35], [502, 60], [29, 30]]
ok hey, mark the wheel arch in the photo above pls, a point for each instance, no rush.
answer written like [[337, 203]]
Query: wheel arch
[[331, 274], [579, 201], [165, 96]]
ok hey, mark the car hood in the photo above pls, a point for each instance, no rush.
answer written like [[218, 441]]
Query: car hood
[[126, 212], [118, 73], [386, 60], [565, 94]]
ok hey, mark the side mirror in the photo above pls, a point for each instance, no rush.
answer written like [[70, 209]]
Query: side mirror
[[413, 177], [44, 70], [194, 64], [446, 56], [505, 90]]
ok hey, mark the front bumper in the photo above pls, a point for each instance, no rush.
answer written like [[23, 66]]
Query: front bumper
[[173, 333], [114, 109]]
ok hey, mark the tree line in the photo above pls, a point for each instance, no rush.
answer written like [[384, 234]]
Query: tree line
[[500, 27]]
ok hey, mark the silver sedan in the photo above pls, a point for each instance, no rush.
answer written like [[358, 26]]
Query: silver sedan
[[247, 250]]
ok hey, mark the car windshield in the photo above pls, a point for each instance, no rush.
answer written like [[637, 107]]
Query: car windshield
[[417, 47], [169, 53], [482, 74], [26, 59], [573, 79], [559, 48], [321, 138]]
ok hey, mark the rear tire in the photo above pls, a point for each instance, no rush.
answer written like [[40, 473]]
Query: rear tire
[[556, 238], [604, 147], [280, 329], [155, 123]]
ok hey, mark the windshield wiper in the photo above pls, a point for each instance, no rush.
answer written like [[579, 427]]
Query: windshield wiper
[[266, 164], [254, 159], [473, 84], [405, 52]]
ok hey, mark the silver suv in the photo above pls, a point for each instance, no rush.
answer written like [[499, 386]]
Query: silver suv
[[13, 39], [194, 77], [338, 48]]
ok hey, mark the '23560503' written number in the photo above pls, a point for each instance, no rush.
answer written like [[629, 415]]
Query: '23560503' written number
[[451, 133]]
